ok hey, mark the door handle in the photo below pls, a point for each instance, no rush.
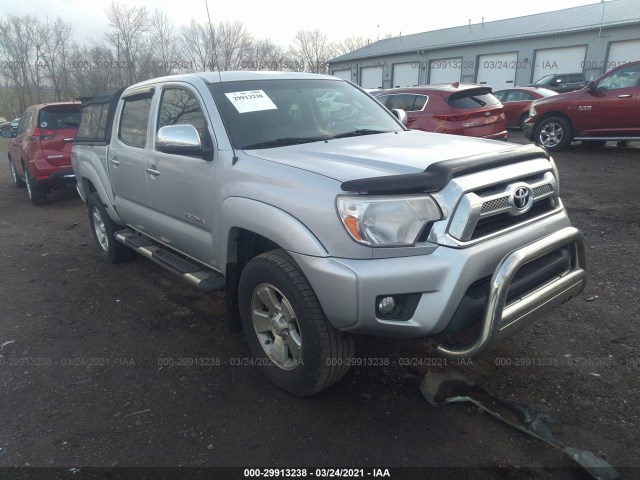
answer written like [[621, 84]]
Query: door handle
[[625, 95], [67, 139], [114, 161], [152, 171]]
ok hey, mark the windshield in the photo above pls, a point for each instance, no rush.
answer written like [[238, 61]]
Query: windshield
[[274, 113], [544, 79]]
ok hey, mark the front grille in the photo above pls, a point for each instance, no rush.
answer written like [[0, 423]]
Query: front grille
[[493, 205], [488, 225], [490, 210]]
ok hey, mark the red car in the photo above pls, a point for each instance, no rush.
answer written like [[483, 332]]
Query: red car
[[40, 152], [458, 109], [606, 109], [516, 102]]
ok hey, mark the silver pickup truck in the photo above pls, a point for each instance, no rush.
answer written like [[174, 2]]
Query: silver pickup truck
[[321, 216]]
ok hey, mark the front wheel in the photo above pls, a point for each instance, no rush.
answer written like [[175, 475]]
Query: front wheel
[[554, 133], [103, 230], [287, 331]]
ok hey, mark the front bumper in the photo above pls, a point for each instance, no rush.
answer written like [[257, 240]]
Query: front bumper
[[348, 289]]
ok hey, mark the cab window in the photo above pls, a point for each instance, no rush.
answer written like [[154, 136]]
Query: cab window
[[134, 120], [181, 107]]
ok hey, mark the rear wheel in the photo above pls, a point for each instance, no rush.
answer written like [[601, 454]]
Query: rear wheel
[[103, 230], [17, 180], [38, 196], [287, 331], [554, 133]]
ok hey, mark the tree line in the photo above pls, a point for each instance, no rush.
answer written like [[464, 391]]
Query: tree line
[[41, 62]]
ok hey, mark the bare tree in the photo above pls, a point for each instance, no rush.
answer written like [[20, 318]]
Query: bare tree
[[347, 45], [265, 55], [90, 72], [163, 46], [197, 46], [54, 45], [19, 39], [128, 28], [311, 48], [234, 45]]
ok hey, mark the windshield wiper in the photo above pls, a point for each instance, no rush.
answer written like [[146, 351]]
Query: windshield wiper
[[281, 142], [361, 131]]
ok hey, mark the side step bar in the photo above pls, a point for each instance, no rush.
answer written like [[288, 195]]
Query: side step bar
[[205, 280]]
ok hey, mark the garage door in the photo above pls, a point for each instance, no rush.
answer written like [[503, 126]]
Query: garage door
[[405, 74], [445, 70], [497, 70], [344, 74], [558, 60], [371, 77], [623, 52]]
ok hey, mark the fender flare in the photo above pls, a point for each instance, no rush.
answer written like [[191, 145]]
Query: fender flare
[[269, 221], [88, 172]]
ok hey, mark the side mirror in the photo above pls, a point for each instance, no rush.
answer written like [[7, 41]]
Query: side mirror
[[401, 115], [591, 86], [179, 139], [7, 134]]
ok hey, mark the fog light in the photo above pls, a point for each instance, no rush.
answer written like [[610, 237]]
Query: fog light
[[386, 305]]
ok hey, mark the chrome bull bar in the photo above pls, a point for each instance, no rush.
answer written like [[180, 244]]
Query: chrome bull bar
[[501, 319]]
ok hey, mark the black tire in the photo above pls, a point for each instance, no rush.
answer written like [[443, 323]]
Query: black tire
[[110, 249], [554, 134], [38, 196], [523, 117], [324, 351], [18, 182]]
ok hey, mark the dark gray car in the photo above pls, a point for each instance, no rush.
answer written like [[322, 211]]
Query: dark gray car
[[562, 82]]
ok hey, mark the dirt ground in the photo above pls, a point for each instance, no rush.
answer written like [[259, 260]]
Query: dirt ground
[[88, 373]]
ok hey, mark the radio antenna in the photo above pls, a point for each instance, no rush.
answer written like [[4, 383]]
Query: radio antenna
[[214, 54]]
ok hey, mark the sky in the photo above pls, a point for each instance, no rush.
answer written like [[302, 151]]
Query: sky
[[279, 19]]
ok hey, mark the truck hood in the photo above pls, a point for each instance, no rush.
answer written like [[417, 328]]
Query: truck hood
[[564, 98], [381, 154]]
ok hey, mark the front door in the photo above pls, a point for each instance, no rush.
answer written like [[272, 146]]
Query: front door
[[613, 109], [181, 187]]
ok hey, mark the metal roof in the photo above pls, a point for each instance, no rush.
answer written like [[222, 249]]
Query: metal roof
[[587, 17]]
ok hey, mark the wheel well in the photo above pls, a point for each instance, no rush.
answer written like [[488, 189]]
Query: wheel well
[[88, 186], [554, 114], [243, 246]]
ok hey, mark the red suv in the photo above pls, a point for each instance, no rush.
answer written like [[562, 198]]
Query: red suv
[[40, 153], [605, 109], [459, 109]]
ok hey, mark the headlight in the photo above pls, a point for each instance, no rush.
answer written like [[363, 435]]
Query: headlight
[[383, 221], [532, 111]]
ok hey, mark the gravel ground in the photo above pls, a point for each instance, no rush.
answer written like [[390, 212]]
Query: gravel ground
[[85, 378]]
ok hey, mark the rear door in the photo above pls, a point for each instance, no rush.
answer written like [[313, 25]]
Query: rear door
[[127, 158], [56, 127], [613, 109]]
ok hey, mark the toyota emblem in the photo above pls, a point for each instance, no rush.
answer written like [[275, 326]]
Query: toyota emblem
[[522, 198]]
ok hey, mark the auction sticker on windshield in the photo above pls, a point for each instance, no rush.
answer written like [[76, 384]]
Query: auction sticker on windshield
[[252, 101]]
